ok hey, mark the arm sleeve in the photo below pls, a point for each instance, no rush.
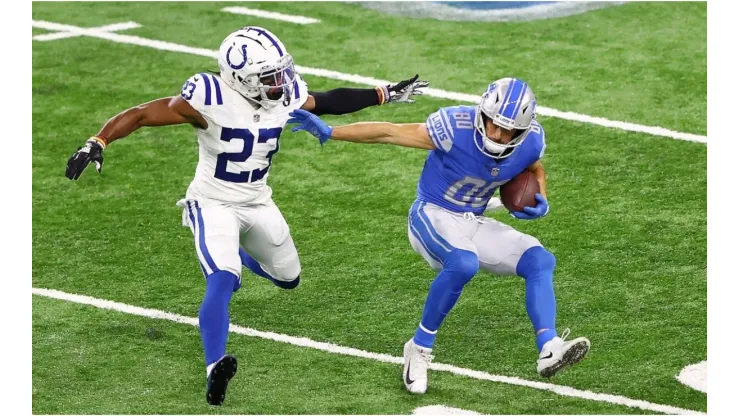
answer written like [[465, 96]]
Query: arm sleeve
[[344, 100]]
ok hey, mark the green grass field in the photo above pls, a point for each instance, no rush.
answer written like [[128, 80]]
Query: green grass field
[[628, 222]]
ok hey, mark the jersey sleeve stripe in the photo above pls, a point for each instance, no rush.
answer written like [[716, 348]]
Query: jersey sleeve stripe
[[448, 126], [208, 88], [440, 130], [430, 130], [219, 97]]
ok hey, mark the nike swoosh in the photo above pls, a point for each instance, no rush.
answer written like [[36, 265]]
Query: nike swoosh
[[196, 79], [408, 380], [545, 358]]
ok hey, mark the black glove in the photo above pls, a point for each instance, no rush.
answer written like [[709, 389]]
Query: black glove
[[401, 92], [92, 151]]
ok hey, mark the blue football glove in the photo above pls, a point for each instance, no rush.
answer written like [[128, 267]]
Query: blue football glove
[[311, 123], [531, 213]]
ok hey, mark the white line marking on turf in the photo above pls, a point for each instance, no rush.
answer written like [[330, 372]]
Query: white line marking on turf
[[337, 349], [440, 410], [695, 376], [301, 20], [359, 79], [107, 28]]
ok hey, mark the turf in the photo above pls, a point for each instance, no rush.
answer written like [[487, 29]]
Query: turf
[[628, 218]]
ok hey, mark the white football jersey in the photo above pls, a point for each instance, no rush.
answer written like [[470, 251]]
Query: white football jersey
[[236, 150]]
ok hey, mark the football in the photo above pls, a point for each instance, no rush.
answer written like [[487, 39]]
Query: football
[[520, 191]]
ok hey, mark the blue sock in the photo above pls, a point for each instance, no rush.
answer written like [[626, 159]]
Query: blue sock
[[445, 290], [214, 314], [537, 266], [255, 267]]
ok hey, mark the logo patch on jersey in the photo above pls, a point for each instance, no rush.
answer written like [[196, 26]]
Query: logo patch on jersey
[[494, 171], [256, 118], [488, 11], [440, 130]]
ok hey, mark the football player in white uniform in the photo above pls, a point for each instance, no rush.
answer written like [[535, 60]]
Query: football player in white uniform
[[238, 115]]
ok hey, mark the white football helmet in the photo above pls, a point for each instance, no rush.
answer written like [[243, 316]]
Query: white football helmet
[[508, 103], [256, 64]]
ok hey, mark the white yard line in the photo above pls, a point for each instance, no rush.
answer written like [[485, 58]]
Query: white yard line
[[354, 352], [359, 79], [301, 20], [107, 28]]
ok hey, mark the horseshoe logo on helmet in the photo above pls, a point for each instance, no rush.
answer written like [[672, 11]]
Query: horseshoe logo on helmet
[[243, 53]]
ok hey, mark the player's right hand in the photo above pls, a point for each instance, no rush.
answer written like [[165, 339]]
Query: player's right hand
[[311, 123], [92, 151]]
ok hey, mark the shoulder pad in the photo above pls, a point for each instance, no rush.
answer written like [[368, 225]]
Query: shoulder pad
[[202, 90]]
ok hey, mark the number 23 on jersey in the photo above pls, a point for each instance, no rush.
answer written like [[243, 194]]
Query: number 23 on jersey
[[227, 135]]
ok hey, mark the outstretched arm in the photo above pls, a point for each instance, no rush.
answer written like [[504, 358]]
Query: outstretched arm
[[161, 112], [407, 135], [349, 100]]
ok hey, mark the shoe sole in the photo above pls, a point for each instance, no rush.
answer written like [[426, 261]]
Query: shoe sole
[[220, 376], [572, 356]]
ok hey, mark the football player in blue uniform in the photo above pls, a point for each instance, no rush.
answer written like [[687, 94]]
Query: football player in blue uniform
[[472, 151]]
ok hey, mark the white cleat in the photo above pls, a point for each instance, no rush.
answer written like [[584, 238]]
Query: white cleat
[[557, 354], [416, 361]]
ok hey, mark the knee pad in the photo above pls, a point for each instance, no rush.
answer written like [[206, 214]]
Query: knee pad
[[535, 261], [463, 264], [287, 270]]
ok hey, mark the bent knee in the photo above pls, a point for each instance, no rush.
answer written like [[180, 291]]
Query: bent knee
[[534, 261], [286, 271], [462, 263]]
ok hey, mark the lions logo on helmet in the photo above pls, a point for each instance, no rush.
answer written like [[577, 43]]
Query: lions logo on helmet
[[510, 104], [256, 64]]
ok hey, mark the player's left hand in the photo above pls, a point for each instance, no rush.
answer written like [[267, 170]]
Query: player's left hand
[[311, 123], [401, 92], [531, 213]]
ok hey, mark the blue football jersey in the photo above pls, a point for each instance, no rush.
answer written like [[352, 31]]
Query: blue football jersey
[[457, 176]]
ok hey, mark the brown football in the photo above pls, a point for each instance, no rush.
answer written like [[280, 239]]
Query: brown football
[[520, 191]]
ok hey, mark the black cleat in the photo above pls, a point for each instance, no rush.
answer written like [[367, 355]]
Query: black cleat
[[217, 381]]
